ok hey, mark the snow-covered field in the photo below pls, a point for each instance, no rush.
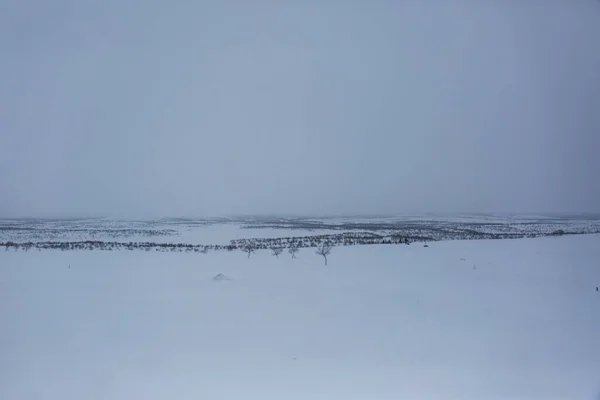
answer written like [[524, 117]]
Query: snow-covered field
[[481, 319]]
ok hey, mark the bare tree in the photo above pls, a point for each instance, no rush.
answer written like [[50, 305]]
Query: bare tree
[[204, 250], [276, 251], [324, 250], [249, 249], [293, 250]]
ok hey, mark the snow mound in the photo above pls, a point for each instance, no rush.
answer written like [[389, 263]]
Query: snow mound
[[221, 277]]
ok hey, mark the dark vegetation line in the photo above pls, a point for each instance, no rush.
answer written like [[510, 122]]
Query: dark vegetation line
[[250, 245]]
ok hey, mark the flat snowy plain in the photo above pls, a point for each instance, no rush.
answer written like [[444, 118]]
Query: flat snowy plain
[[480, 319]]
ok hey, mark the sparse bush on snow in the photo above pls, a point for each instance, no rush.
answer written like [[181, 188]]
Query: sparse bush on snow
[[324, 250], [249, 249], [276, 251]]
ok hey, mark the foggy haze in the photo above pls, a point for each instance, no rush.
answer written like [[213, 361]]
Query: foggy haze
[[203, 108]]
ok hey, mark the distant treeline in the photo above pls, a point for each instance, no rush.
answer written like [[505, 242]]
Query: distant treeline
[[47, 234], [338, 239]]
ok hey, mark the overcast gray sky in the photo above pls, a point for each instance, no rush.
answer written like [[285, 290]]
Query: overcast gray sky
[[133, 108]]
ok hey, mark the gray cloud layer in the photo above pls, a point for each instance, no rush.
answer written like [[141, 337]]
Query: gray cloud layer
[[192, 108]]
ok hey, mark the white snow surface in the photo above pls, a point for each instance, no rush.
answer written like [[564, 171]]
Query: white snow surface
[[516, 319]]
